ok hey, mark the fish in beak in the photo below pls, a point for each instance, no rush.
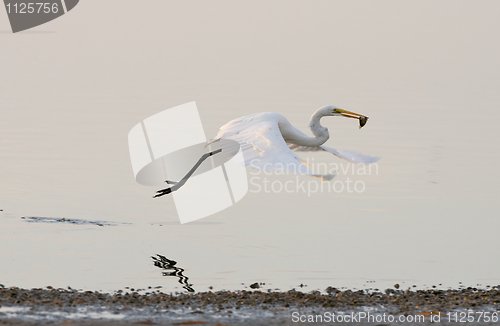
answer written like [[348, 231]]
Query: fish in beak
[[362, 119]]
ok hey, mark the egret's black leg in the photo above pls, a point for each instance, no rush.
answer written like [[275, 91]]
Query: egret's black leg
[[177, 185]]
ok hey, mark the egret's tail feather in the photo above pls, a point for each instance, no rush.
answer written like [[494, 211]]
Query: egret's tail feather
[[212, 141]]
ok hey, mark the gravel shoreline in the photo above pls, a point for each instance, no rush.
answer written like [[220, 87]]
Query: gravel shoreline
[[63, 306]]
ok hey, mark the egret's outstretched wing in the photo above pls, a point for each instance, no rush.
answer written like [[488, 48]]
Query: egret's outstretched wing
[[263, 146], [350, 156]]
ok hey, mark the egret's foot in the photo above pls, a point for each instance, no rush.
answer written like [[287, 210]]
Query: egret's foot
[[162, 192]]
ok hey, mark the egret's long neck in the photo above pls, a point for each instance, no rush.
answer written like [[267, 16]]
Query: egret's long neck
[[293, 136], [320, 133]]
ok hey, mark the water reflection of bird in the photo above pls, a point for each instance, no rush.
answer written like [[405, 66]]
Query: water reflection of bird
[[268, 140], [168, 264]]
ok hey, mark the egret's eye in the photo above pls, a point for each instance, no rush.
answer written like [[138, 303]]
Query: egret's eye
[[336, 111]]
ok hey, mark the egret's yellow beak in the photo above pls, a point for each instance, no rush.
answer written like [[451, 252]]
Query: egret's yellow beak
[[362, 119], [349, 114]]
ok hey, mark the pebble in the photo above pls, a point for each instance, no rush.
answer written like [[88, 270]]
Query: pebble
[[255, 286]]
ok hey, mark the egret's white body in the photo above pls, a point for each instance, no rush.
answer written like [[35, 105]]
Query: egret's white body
[[268, 140]]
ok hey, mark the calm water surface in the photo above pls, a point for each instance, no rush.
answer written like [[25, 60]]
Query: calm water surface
[[429, 216]]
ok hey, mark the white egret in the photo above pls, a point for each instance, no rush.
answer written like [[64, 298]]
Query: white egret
[[268, 140]]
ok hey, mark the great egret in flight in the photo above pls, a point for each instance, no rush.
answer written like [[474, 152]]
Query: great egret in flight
[[268, 140]]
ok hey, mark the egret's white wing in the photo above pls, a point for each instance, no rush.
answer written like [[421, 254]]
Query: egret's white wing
[[298, 148], [263, 146], [350, 156]]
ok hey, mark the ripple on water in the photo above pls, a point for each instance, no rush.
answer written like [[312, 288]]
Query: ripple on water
[[38, 219]]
